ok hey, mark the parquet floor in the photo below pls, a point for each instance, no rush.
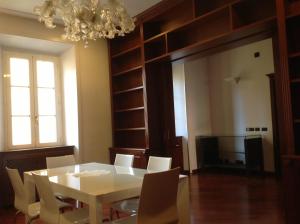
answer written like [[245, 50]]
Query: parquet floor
[[222, 199]]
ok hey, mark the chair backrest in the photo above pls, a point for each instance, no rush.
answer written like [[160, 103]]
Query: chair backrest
[[60, 161], [124, 160], [21, 202], [158, 200], [49, 207], [158, 164]]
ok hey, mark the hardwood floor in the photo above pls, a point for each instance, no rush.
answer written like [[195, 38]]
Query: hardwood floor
[[231, 199], [222, 199]]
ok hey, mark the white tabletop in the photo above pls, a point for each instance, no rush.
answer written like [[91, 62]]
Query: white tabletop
[[95, 178], [95, 184]]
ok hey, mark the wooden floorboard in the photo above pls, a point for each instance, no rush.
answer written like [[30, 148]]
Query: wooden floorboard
[[222, 199]]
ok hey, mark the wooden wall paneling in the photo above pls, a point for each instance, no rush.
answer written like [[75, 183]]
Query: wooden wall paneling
[[291, 183], [203, 7], [286, 119], [293, 7], [153, 86], [155, 48], [171, 18], [200, 31], [246, 12], [168, 111], [25, 160], [131, 80], [129, 41]]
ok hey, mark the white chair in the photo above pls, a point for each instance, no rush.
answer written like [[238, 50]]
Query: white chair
[[60, 161], [130, 206], [50, 212], [21, 203], [124, 160], [158, 202], [158, 164]]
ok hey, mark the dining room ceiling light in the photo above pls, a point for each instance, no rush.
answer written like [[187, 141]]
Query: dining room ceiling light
[[87, 19]]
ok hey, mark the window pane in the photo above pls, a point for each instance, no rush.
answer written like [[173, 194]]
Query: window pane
[[45, 74], [46, 101], [47, 129], [19, 72], [21, 131], [20, 101]]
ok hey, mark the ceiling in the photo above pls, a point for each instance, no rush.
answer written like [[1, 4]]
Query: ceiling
[[25, 7]]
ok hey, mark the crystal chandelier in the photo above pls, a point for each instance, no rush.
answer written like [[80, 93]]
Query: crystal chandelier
[[87, 19]]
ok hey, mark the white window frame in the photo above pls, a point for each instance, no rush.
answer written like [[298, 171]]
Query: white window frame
[[33, 58]]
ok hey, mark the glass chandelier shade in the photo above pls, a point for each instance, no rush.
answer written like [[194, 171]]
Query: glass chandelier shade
[[87, 19]]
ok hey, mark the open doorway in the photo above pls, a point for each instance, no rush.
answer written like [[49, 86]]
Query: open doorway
[[227, 96]]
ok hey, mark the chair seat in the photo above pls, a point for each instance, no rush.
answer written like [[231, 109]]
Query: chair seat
[[128, 220], [34, 209], [78, 216], [129, 206]]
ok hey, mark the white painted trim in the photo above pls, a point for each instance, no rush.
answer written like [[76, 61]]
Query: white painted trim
[[33, 95]]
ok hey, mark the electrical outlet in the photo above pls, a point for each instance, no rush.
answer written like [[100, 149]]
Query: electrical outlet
[[249, 129]]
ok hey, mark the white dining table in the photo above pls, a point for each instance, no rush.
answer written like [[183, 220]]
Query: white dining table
[[96, 184]]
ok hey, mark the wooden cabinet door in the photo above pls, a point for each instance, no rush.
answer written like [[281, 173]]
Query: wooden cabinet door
[[291, 182]]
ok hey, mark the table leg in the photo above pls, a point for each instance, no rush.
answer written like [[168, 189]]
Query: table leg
[[30, 191], [183, 201], [95, 211]]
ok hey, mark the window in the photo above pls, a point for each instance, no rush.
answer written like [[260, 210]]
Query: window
[[32, 101]]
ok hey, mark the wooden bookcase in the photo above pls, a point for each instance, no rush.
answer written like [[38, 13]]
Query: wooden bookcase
[[293, 49], [141, 65], [128, 100], [288, 17]]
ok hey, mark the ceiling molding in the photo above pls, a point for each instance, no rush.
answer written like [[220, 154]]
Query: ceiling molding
[[18, 13]]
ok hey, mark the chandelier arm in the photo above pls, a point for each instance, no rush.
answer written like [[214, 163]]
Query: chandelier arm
[[86, 20]]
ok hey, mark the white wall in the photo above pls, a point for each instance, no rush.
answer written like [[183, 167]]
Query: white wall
[[180, 109], [197, 104], [94, 101], [69, 82], [217, 107], [94, 114], [234, 107], [1, 103]]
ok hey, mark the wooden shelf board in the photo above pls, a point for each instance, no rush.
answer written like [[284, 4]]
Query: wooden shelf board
[[126, 148], [295, 80], [193, 48], [128, 90], [226, 38], [159, 58], [294, 55], [212, 12], [126, 51], [128, 70], [131, 129], [129, 109], [293, 10], [254, 24], [155, 37], [188, 23]]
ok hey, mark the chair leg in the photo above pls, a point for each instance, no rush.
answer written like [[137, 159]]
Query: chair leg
[[111, 214], [118, 214], [17, 213], [31, 219]]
